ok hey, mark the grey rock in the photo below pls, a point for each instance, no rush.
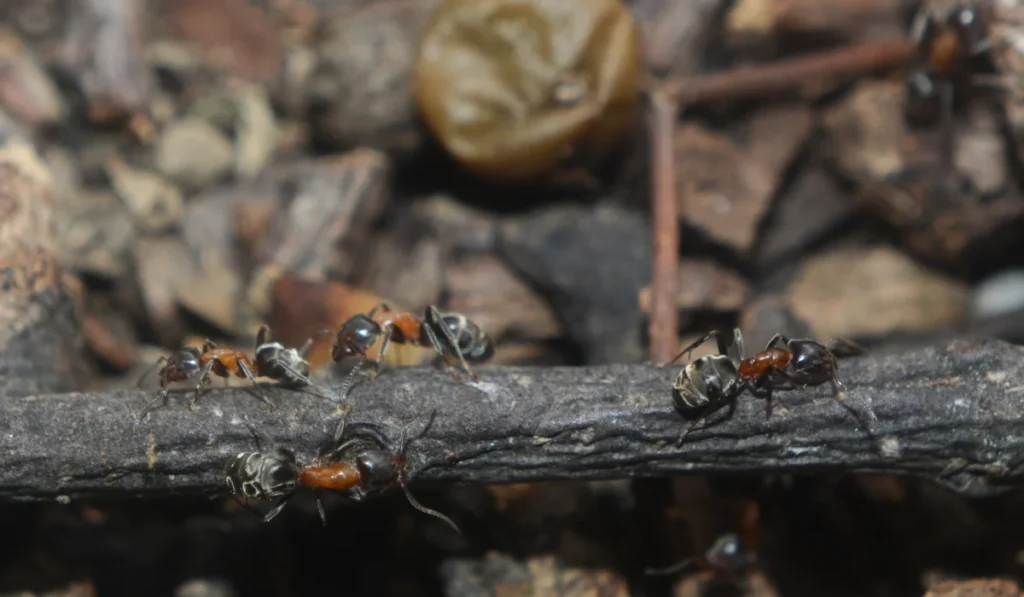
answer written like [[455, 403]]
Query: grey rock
[[193, 153], [591, 264]]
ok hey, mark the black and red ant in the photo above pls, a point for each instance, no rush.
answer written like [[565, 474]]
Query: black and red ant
[[192, 362], [270, 475], [287, 366], [451, 335], [948, 36], [709, 382], [732, 555]]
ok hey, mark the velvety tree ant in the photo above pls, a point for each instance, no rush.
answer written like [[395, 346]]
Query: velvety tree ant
[[711, 381], [191, 362], [259, 475], [947, 37], [451, 335]]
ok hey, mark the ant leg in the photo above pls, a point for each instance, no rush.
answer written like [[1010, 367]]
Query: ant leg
[[263, 335], [736, 351], [778, 339], [208, 345], [452, 339], [435, 343], [341, 424], [383, 306], [204, 378], [248, 374], [320, 509], [384, 345], [674, 568], [276, 509], [162, 396], [690, 348], [703, 417]]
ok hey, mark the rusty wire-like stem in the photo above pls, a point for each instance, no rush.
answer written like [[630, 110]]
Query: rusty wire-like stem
[[664, 313], [791, 74]]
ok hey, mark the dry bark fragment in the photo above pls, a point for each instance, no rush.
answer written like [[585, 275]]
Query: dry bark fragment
[[874, 292], [360, 91], [41, 303]]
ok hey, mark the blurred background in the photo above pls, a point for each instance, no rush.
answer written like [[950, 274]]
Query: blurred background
[[172, 170]]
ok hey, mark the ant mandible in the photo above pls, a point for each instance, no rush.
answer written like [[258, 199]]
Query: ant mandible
[[265, 476], [947, 37], [192, 361], [449, 334], [709, 382]]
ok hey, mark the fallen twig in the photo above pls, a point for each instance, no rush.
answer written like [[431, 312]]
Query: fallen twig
[[664, 314], [773, 78], [952, 410]]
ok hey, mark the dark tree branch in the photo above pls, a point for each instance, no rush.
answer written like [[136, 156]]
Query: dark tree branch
[[955, 409]]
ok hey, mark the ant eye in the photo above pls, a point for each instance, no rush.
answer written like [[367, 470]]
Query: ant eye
[[966, 17]]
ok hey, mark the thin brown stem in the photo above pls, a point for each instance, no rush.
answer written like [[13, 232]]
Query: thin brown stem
[[664, 319]]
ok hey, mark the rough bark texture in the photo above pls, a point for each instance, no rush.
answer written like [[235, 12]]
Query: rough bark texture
[[952, 411]]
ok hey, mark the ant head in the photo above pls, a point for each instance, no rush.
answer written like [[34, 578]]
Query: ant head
[[185, 364], [809, 355], [355, 337], [378, 469]]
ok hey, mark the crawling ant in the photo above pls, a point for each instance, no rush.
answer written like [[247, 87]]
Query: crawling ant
[[710, 381], [732, 555], [947, 37], [259, 475], [451, 335], [192, 362], [287, 366], [727, 557]]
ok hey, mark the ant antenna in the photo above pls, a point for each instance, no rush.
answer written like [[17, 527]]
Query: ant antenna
[[150, 370], [415, 504], [674, 568], [348, 378], [405, 441]]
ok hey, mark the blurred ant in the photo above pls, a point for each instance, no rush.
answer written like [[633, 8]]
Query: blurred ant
[[259, 475], [727, 557], [732, 555], [449, 334], [191, 362], [948, 36], [710, 381]]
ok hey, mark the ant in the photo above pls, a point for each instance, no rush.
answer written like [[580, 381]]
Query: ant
[[259, 475], [192, 361], [287, 366], [712, 380], [947, 37], [449, 334], [732, 555]]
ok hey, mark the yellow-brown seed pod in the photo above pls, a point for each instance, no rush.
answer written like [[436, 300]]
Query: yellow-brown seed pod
[[512, 88]]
